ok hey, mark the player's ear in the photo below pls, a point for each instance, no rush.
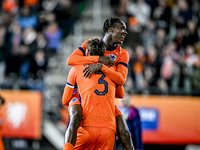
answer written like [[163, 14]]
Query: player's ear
[[111, 29]]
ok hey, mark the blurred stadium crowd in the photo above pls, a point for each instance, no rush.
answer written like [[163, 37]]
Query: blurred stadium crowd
[[164, 45], [31, 31], [163, 41]]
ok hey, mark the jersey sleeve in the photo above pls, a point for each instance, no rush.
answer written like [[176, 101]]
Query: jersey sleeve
[[118, 76], [117, 111], [119, 92], [78, 56], [75, 98], [123, 58], [69, 87]]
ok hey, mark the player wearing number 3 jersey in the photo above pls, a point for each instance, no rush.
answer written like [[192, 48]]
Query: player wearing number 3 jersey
[[98, 125]]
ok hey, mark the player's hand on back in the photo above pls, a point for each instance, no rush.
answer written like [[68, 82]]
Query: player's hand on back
[[106, 60], [90, 69]]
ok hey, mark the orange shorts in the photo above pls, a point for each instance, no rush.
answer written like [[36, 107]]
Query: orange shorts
[[95, 138]]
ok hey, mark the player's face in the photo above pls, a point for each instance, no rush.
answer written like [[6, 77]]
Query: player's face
[[119, 33]]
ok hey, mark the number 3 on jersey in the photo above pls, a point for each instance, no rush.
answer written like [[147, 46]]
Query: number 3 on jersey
[[101, 81]]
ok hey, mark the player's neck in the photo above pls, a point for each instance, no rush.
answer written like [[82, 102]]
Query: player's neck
[[109, 43]]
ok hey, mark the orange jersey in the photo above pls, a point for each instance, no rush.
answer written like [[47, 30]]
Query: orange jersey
[[97, 97], [118, 54], [75, 99]]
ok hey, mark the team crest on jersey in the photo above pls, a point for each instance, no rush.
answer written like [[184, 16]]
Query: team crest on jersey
[[74, 99], [113, 56]]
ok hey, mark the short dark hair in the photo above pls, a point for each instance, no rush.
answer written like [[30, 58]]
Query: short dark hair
[[110, 23], [96, 47]]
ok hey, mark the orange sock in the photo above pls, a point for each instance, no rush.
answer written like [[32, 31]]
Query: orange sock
[[68, 146]]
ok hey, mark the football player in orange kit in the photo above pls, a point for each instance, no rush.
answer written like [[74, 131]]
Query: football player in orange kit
[[98, 125], [115, 32]]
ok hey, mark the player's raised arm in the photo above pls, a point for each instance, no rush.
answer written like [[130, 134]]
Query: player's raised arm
[[79, 57], [118, 76]]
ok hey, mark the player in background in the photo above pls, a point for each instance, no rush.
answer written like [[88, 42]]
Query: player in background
[[98, 126], [132, 117], [115, 32]]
